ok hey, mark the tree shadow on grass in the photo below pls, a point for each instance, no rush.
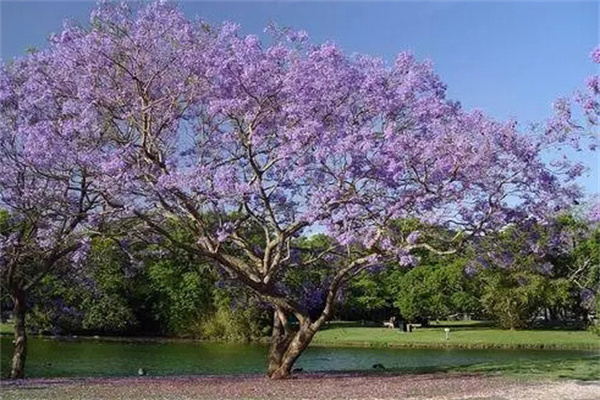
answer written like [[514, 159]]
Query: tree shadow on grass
[[581, 369], [556, 326], [464, 325], [352, 324]]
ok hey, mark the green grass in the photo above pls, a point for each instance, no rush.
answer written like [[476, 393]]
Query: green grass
[[471, 335], [6, 328]]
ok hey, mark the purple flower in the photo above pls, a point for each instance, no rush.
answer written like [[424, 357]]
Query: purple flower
[[159, 118], [588, 297], [408, 260], [224, 231], [376, 268], [412, 237], [546, 268], [595, 55], [80, 254], [522, 280], [594, 213], [471, 269]]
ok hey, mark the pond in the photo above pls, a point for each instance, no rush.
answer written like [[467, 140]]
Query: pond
[[88, 357]]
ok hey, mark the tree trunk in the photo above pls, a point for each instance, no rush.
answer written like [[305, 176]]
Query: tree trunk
[[286, 347], [280, 340], [286, 359], [20, 350], [286, 344]]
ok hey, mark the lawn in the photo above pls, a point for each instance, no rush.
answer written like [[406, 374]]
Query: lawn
[[470, 335], [6, 328]]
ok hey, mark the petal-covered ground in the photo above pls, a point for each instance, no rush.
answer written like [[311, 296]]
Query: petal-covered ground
[[304, 386]]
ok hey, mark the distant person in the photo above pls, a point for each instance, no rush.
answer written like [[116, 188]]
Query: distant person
[[392, 322]]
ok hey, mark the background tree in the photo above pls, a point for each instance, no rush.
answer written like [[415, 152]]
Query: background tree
[[523, 271], [135, 286], [201, 122], [367, 297], [575, 255], [436, 291]]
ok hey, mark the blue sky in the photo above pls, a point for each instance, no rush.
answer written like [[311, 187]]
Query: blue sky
[[510, 59]]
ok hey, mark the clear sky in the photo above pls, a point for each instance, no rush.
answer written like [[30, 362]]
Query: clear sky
[[510, 59]]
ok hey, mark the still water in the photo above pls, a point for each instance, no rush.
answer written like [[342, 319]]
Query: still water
[[86, 357]]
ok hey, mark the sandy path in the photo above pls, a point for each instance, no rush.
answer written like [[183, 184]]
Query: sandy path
[[417, 387]]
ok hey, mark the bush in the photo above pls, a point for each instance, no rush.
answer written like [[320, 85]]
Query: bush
[[235, 320]]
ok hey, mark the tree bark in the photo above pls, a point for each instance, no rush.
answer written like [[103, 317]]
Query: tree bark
[[20, 350], [287, 346], [280, 340], [282, 369]]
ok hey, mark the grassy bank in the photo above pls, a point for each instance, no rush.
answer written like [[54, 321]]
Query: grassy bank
[[463, 334], [472, 335]]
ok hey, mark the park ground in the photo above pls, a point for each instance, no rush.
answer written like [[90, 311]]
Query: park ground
[[304, 386]]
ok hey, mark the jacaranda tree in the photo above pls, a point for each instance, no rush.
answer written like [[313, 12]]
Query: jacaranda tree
[[224, 134], [46, 190]]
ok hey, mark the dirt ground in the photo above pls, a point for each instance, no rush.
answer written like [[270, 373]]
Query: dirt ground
[[304, 386]]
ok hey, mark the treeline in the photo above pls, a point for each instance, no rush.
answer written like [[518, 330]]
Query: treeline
[[144, 291], [523, 275], [519, 277]]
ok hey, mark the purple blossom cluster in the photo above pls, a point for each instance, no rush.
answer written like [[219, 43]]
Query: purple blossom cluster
[[586, 102], [594, 212], [320, 124]]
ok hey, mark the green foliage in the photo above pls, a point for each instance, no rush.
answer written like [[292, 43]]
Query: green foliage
[[148, 289], [235, 324], [585, 270], [435, 291], [145, 290], [518, 283], [51, 311], [109, 314], [109, 307], [183, 293], [4, 221], [514, 299], [368, 292], [188, 301], [239, 315], [101, 300]]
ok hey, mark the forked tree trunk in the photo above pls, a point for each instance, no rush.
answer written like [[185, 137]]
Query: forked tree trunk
[[287, 344], [286, 347], [20, 350], [280, 340], [297, 345]]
